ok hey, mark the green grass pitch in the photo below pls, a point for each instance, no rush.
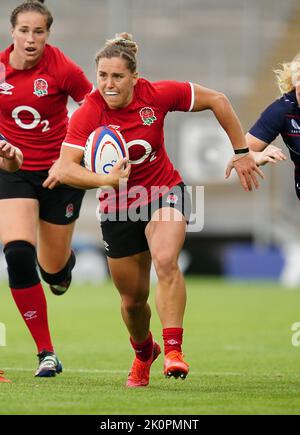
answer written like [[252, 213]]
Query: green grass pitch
[[237, 342]]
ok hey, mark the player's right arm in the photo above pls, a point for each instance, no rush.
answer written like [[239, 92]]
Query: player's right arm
[[68, 170]]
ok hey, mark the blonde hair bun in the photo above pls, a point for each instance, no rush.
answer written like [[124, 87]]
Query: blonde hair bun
[[125, 40]]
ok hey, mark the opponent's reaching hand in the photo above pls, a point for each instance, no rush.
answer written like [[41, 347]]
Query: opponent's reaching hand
[[271, 154]]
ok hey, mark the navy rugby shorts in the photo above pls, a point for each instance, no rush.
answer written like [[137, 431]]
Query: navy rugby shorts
[[59, 206], [123, 238]]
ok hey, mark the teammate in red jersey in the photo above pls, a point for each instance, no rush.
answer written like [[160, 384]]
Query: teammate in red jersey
[[137, 108], [36, 81]]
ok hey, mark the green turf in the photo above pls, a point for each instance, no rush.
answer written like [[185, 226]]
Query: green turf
[[237, 341]]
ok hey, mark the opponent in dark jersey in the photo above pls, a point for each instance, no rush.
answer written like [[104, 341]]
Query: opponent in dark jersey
[[137, 108], [36, 80], [281, 117]]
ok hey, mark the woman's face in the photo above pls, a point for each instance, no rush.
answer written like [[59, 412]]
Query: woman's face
[[115, 82], [296, 83], [29, 35]]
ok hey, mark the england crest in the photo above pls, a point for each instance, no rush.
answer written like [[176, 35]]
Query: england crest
[[40, 87]]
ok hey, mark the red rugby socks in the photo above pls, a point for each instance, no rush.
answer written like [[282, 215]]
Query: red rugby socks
[[172, 339], [32, 305], [143, 351]]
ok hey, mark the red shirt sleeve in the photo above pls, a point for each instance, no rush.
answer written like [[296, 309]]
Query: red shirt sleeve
[[175, 96], [71, 78]]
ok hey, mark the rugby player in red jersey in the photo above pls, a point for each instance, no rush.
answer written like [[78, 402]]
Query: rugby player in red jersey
[[137, 108], [37, 80]]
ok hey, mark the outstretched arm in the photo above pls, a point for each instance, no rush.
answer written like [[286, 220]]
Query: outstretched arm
[[244, 164], [262, 152]]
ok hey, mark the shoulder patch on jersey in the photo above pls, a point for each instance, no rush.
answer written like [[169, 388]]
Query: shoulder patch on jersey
[[147, 115], [40, 87]]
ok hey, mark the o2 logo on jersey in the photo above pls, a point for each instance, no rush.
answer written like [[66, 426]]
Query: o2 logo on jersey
[[31, 113], [40, 87], [146, 150]]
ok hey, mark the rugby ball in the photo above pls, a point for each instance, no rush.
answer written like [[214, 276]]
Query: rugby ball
[[104, 147]]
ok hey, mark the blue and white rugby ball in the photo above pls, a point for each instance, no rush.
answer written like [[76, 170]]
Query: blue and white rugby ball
[[104, 147]]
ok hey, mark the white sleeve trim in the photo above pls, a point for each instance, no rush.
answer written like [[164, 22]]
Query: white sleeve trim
[[192, 97], [79, 147]]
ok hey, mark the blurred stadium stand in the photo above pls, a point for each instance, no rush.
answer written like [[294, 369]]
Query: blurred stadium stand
[[229, 45]]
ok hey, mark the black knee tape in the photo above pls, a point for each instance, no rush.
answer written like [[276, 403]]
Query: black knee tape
[[62, 275], [21, 264]]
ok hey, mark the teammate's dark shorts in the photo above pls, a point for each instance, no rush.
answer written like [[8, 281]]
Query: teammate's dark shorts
[[125, 236], [59, 206]]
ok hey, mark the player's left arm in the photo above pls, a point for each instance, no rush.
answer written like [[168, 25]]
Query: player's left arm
[[11, 157], [261, 151], [219, 104]]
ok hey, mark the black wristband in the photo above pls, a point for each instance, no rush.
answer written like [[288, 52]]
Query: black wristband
[[242, 151]]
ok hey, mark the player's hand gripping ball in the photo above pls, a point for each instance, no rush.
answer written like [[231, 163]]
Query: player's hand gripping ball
[[104, 147]]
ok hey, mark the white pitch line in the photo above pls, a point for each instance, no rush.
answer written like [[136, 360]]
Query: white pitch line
[[21, 369], [107, 371]]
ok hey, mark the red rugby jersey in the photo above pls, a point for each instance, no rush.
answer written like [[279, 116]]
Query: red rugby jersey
[[33, 105], [142, 125]]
